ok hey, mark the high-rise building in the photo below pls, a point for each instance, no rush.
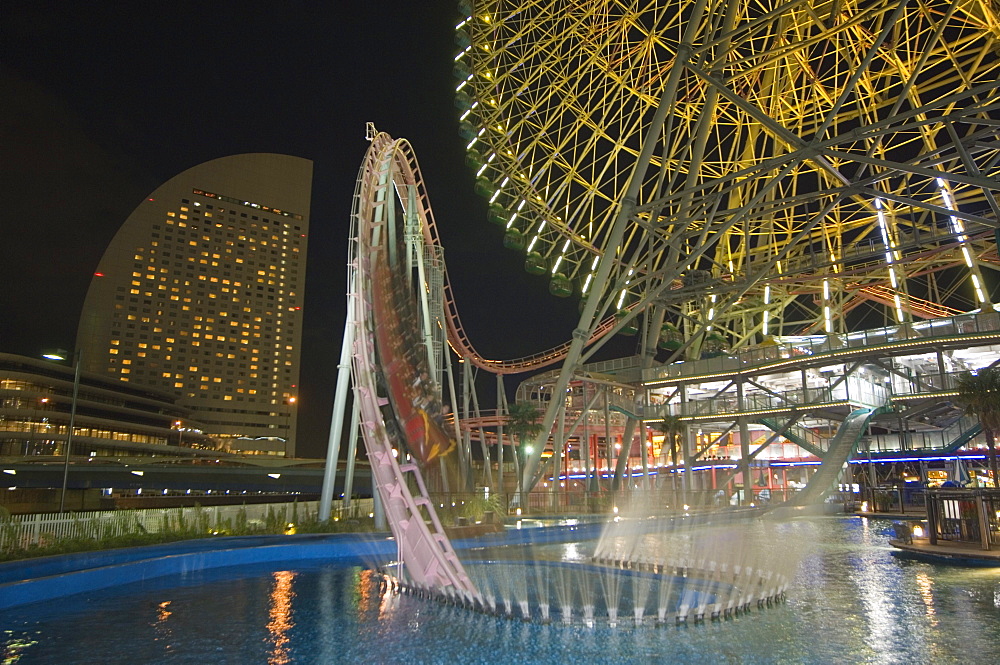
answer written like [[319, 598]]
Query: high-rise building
[[200, 292]]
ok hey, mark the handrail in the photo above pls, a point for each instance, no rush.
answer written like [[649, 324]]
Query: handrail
[[755, 358]]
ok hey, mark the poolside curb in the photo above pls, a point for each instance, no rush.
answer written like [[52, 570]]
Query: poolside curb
[[32, 581]]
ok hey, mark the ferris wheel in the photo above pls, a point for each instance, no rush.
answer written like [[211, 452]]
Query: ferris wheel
[[740, 170]]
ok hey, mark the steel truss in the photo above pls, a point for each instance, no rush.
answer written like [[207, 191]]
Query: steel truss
[[733, 170]]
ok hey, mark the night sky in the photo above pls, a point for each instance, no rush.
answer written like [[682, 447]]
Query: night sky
[[102, 102]]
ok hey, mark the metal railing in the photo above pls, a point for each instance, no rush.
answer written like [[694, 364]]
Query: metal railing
[[762, 355], [854, 390], [965, 516], [923, 440], [895, 500]]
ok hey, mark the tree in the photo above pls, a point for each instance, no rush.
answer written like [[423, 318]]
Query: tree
[[671, 428], [980, 393], [522, 422]]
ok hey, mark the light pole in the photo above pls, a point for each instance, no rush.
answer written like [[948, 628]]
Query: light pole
[[72, 420], [290, 403]]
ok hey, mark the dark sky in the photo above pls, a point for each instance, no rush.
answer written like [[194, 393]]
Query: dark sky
[[102, 102]]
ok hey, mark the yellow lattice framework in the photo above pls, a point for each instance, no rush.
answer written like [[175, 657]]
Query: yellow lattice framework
[[819, 164]]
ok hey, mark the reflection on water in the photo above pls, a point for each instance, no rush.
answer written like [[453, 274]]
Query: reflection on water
[[851, 601], [926, 587], [160, 626], [162, 612], [14, 646], [281, 617]]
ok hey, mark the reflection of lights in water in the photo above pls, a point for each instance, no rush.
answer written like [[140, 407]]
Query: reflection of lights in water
[[281, 616], [875, 591], [163, 631], [11, 649], [162, 611], [926, 587], [367, 587]]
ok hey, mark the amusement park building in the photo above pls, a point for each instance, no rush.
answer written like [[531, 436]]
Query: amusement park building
[[769, 412], [200, 294], [111, 418]]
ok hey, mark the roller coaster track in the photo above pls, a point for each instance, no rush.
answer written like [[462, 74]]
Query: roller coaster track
[[428, 558], [457, 338], [460, 343]]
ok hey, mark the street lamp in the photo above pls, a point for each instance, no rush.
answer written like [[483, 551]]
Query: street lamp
[[290, 403], [63, 355]]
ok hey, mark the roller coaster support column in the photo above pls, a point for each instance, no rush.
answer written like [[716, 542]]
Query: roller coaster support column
[[744, 448], [585, 439], [687, 446], [687, 453], [352, 454], [608, 447], [501, 398], [487, 463], [621, 466], [452, 395], [339, 401], [468, 385], [559, 455], [651, 336], [615, 235]]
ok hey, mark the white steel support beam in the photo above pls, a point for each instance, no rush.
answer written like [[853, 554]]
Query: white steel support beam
[[339, 402]]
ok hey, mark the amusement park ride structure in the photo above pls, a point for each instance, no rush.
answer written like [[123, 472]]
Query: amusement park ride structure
[[726, 175], [792, 204]]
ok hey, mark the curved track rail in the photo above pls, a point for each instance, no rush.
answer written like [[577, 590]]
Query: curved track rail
[[429, 559], [457, 338]]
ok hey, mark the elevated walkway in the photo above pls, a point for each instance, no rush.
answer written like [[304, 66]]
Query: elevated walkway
[[977, 329]]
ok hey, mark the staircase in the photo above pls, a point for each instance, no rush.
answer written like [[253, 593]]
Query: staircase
[[841, 449], [963, 438], [800, 436]]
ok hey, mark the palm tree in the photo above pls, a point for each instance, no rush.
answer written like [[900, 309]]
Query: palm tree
[[522, 422], [980, 392], [671, 428]]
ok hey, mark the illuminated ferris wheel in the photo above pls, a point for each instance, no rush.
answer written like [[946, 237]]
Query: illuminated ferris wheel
[[739, 170]]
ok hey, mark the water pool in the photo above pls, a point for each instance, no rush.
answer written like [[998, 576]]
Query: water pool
[[852, 601]]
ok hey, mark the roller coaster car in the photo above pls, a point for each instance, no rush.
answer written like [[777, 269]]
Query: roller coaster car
[[413, 405]]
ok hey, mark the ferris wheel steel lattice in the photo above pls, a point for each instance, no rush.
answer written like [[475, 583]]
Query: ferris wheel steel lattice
[[738, 170], [816, 164]]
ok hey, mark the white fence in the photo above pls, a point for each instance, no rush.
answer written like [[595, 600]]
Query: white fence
[[22, 531]]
